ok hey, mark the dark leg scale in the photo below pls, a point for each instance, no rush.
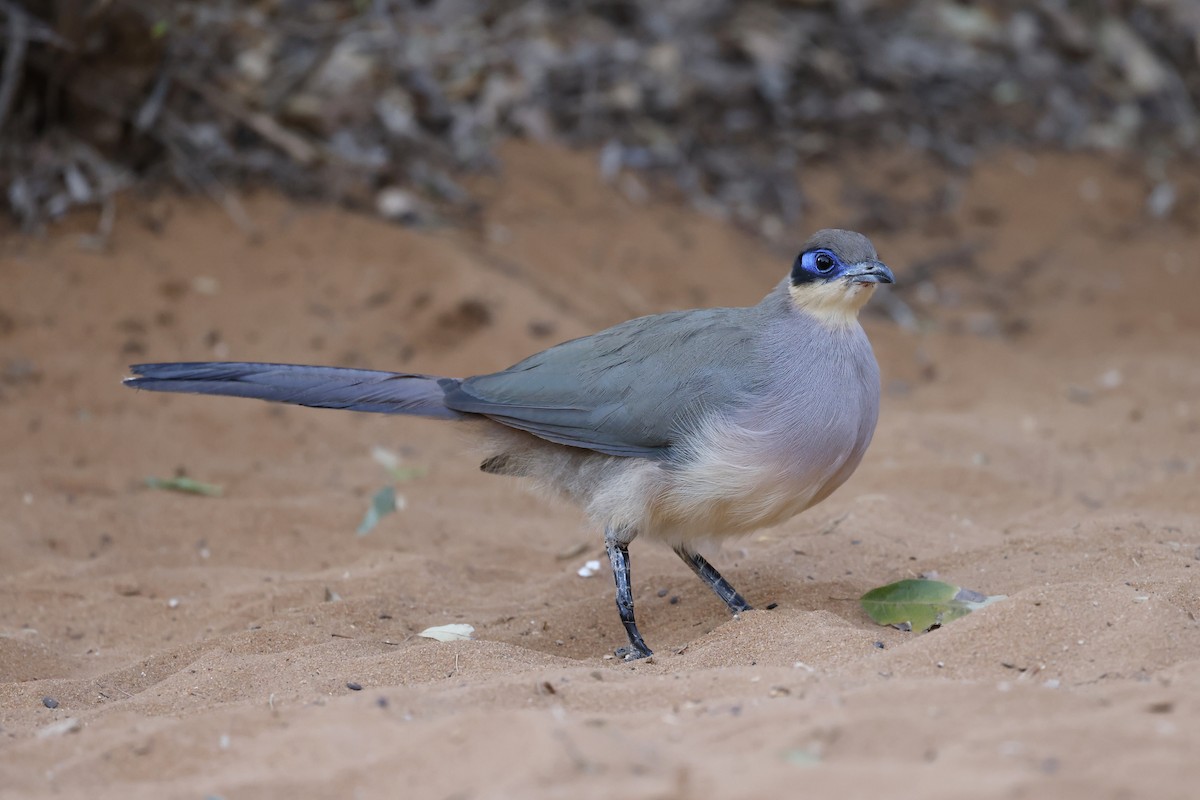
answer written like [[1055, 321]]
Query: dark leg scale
[[618, 556], [713, 579]]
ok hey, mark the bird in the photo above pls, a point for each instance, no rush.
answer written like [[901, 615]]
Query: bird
[[686, 427]]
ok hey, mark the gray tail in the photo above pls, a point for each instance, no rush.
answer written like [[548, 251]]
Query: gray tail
[[317, 387]]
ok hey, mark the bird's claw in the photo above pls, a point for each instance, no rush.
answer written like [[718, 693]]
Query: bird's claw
[[632, 653]]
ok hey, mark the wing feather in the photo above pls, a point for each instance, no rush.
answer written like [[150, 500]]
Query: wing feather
[[622, 391]]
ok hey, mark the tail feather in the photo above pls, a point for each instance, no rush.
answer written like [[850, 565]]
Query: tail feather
[[317, 387]]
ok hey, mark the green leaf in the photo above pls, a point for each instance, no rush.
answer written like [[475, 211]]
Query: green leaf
[[402, 474], [184, 484], [920, 604], [382, 504]]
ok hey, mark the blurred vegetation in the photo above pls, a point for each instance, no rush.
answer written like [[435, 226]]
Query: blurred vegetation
[[383, 104]]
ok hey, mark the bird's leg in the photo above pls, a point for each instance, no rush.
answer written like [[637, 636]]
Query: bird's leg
[[710, 576], [618, 556]]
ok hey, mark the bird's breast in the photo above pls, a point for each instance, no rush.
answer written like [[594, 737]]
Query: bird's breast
[[782, 451]]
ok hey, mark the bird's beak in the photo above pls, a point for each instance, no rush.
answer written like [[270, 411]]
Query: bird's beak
[[869, 272]]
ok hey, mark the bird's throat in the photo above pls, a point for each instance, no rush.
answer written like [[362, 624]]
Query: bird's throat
[[835, 304]]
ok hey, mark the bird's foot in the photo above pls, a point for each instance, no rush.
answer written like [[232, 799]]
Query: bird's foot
[[633, 653]]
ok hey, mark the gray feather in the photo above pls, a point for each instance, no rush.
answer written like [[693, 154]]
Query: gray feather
[[623, 391], [634, 390], [317, 387], [850, 246]]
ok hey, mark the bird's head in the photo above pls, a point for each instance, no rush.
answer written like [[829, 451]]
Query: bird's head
[[835, 274]]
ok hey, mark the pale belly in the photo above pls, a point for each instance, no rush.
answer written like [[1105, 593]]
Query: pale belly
[[742, 481]]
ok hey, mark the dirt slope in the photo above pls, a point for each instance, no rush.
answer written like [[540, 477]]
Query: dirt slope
[[1038, 439]]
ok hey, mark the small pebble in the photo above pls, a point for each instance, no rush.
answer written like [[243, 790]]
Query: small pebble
[[49, 702], [354, 687], [1111, 379], [674, 599], [772, 606], [396, 205]]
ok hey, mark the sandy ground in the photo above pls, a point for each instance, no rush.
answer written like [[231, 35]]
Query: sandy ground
[[1038, 439]]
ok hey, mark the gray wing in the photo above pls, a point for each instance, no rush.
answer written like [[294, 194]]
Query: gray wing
[[622, 391]]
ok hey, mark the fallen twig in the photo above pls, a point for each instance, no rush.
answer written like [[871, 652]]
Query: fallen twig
[[98, 241], [14, 58], [149, 112], [294, 145], [187, 170]]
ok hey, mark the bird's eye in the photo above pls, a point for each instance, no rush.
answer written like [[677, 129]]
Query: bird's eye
[[824, 262]]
